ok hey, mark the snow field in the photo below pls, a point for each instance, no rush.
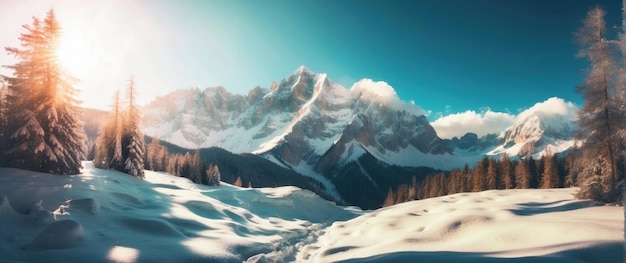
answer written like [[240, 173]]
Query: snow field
[[492, 226], [106, 216]]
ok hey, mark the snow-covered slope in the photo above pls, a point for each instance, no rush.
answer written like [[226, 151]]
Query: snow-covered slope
[[492, 226], [106, 216], [114, 217]]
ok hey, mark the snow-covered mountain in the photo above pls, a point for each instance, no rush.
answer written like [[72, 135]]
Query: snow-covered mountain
[[305, 121], [364, 135], [549, 125], [311, 123]]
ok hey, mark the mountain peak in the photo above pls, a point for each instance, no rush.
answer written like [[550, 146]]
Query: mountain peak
[[303, 70]]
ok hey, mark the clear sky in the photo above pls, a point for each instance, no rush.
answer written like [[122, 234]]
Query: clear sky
[[447, 56]]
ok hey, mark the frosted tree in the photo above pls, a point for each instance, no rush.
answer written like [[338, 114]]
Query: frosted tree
[[600, 117], [43, 130], [132, 139]]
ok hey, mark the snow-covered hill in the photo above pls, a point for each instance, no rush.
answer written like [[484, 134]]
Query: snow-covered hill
[[106, 216]]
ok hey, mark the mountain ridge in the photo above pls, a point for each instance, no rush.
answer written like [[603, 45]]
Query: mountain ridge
[[311, 125]]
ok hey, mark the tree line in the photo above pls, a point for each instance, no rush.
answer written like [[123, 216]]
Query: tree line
[[185, 165], [490, 174]]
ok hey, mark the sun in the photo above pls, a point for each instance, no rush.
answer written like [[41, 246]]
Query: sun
[[74, 54]]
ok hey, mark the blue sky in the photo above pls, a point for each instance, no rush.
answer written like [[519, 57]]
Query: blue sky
[[447, 56]]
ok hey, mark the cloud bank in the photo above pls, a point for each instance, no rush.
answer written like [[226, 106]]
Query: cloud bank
[[458, 124], [487, 121]]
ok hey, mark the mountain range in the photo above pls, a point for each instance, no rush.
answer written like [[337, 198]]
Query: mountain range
[[341, 136]]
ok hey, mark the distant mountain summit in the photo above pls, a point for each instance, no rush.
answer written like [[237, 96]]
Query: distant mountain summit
[[547, 125], [320, 129]]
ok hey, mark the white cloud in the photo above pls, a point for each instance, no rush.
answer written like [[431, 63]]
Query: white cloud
[[381, 92], [552, 106], [483, 123]]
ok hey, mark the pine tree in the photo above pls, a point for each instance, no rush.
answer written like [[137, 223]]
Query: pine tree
[[506, 170], [238, 182], [3, 121], [466, 182], [571, 167], [440, 185], [600, 117], [132, 140], [152, 161], [453, 181], [492, 175], [43, 130], [196, 168], [390, 199], [425, 189], [162, 159], [550, 178], [522, 175], [108, 153], [478, 175], [213, 175]]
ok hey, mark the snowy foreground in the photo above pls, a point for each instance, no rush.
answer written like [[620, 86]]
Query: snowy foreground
[[105, 216]]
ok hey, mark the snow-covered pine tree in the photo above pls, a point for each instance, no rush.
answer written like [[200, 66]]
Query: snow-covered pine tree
[[44, 132], [599, 118], [132, 140]]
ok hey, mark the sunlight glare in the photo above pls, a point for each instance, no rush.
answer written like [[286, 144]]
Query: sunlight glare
[[123, 254], [74, 53]]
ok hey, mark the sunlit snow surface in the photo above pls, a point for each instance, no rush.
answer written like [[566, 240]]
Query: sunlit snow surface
[[169, 219]]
